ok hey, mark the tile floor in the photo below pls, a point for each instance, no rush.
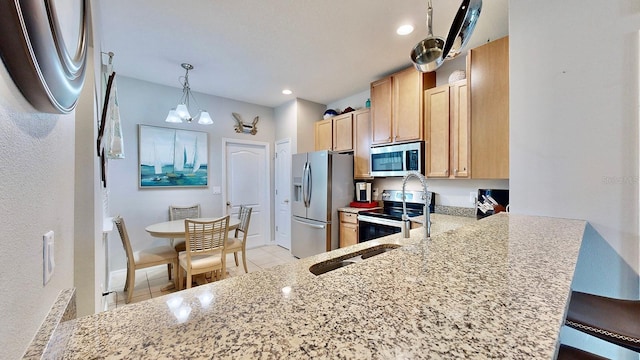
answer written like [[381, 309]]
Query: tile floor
[[150, 281]]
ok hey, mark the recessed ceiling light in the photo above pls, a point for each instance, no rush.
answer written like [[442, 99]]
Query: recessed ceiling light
[[405, 30], [287, 92]]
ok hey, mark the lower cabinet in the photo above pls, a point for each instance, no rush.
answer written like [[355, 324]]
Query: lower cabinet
[[348, 229]]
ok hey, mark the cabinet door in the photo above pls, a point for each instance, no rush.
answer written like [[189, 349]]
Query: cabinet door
[[362, 146], [381, 111], [324, 135], [489, 95], [348, 234], [407, 106], [343, 132], [459, 129], [436, 113]]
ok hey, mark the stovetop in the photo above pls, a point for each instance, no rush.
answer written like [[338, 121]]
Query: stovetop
[[392, 205]]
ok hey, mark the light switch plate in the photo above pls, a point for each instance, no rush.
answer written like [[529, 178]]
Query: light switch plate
[[216, 190], [48, 262]]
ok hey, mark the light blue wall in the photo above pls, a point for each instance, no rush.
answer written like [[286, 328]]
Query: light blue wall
[[146, 103]]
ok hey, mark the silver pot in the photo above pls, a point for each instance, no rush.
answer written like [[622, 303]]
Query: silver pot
[[427, 54], [431, 52]]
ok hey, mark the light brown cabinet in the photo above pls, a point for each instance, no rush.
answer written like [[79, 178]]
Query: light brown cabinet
[[324, 135], [348, 229], [335, 133], [362, 144], [396, 106], [488, 75], [447, 131]]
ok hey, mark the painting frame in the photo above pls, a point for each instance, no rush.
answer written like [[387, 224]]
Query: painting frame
[[172, 158]]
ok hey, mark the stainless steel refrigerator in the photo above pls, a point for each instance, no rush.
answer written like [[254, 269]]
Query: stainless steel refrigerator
[[322, 183]]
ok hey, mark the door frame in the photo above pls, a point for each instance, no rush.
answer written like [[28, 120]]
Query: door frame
[[269, 198], [276, 212]]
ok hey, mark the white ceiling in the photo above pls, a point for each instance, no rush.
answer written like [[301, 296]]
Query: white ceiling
[[249, 50]]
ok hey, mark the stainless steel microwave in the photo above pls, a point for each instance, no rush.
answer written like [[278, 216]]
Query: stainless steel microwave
[[397, 159]]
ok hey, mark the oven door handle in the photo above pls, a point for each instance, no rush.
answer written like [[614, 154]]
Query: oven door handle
[[387, 222]]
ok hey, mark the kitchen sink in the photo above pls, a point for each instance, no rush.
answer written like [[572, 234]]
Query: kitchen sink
[[377, 250], [326, 266], [349, 259]]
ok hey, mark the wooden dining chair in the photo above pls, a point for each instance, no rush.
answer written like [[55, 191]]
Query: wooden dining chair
[[143, 258], [177, 212], [238, 243], [205, 248]]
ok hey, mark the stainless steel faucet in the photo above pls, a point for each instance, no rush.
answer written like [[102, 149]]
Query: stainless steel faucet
[[427, 200]]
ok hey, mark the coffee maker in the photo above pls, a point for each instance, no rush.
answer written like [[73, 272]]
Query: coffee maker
[[363, 192]]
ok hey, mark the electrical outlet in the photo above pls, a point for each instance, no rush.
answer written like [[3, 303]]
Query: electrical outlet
[[48, 263], [473, 197]]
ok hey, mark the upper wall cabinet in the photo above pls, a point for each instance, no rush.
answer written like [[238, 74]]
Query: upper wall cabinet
[[488, 75], [362, 144], [335, 134], [447, 131], [396, 106]]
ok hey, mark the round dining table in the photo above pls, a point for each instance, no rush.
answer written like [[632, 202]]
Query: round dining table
[[175, 228]]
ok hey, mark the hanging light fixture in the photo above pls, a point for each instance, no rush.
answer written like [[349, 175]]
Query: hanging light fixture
[[181, 112]]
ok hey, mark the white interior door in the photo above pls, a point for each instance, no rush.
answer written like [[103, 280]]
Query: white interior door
[[247, 183], [283, 193]]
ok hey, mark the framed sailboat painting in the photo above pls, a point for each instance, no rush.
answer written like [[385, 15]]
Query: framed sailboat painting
[[172, 157]]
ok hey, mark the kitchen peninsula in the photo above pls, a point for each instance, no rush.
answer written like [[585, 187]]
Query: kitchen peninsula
[[496, 288]]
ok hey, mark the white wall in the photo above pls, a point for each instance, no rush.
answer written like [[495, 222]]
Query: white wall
[[356, 101], [89, 251], [574, 132], [308, 113], [147, 103], [285, 118], [37, 195]]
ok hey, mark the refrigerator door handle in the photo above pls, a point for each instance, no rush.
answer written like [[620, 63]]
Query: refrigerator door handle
[[306, 184], [310, 225]]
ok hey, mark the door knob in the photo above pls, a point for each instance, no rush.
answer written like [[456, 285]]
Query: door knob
[[228, 203], [286, 201]]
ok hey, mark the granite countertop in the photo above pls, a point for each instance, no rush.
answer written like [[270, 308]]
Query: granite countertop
[[496, 288]]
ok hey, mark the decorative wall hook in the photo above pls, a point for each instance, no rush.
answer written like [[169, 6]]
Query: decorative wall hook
[[241, 127]]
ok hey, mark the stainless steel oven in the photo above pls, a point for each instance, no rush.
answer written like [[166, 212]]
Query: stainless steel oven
[[373, 225]]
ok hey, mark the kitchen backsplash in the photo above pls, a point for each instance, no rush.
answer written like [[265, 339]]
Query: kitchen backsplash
[[451, 193]]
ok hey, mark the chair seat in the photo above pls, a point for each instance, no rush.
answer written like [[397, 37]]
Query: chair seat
[[200, 262], [570, 353], [153, 255], [614, 320], [233, 245]]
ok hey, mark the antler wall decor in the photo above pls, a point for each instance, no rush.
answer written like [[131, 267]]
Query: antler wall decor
[[241, 127]]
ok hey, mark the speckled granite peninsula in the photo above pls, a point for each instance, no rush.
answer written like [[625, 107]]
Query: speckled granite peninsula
[[496, 288]]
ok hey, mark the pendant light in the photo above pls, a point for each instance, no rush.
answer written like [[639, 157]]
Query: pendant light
[[181, 112]]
